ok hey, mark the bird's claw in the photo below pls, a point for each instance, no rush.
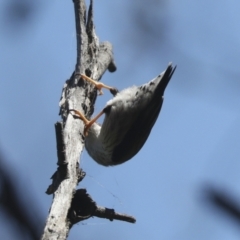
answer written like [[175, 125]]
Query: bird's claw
[[100, 85], [87, 123], [80, 115], [100, 92]]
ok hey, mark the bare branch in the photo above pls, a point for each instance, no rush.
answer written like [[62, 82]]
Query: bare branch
[[93, 59], [84, 207]]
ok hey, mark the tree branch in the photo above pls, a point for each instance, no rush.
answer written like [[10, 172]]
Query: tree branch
[[83, 207], [93, 59]]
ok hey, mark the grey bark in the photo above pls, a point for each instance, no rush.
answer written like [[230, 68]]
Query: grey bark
[[93, 59]]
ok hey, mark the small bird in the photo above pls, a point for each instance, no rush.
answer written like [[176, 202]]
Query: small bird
[[129, 118]]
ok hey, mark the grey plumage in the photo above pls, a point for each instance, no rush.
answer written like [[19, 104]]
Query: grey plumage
[[129, 118]]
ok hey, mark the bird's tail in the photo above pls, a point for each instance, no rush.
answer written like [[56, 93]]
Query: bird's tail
[[165, 78]]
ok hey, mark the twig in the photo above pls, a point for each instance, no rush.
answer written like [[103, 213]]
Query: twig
[[84, 207]]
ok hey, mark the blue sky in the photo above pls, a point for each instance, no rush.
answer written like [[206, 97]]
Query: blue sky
[[194, 144]]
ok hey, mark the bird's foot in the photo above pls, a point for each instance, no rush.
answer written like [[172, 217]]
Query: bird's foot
[[84, 119], [87, 123], [100, 85]]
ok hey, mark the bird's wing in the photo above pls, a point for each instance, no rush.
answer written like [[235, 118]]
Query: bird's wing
[[137, 134], [141, 127], [117, 122]]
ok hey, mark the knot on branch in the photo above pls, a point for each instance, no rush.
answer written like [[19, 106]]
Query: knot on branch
[[84, 207]]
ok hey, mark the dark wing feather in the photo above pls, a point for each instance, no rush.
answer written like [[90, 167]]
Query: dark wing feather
[[137, 135], [141, 128]]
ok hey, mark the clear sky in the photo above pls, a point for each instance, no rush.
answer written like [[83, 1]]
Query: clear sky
[[195, 143]]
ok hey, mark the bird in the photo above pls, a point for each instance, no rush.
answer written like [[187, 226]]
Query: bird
[[129, 118]]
